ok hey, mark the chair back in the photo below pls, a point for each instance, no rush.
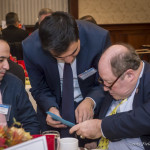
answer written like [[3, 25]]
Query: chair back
[[16, 50]]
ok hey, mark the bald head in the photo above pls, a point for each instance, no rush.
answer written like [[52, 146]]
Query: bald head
[[4, 45], [119, 58], [113, 51], [4, 55]]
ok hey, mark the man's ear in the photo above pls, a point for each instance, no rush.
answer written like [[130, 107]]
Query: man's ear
[[130, 74]]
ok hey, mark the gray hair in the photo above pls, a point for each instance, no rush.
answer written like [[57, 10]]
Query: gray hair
[[44, 11], [124, 61]]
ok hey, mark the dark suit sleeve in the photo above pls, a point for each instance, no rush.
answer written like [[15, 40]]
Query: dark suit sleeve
[[40, 90], [25, 114], [131, 124], [134, 123]]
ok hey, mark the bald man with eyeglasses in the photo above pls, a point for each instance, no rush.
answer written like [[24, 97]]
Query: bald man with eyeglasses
[[124, 114]]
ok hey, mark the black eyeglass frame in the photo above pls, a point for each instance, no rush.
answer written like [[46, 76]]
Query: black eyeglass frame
[[110, 87]]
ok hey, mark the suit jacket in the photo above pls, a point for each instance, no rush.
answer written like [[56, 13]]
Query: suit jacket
[[14, 34], [43, 69], [14, 94], [134, 123]]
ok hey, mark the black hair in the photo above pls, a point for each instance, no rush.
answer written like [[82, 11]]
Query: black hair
[[11, 18], [57, 32], [89, 18]]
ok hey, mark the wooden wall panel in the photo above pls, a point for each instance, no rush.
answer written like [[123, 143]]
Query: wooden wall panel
[[134, 34]]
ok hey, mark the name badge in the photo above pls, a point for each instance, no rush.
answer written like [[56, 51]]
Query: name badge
[[5, 110], [87, 73]]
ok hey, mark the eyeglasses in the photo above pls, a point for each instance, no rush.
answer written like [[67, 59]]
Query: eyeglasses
[[110, 87], [66, 56]]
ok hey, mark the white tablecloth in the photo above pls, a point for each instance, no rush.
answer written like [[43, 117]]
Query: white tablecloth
[[30, 96]]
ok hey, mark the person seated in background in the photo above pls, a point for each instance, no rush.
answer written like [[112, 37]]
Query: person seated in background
[[42, 14], [89, 18], [12, 33], [125, 110], [13, 94]]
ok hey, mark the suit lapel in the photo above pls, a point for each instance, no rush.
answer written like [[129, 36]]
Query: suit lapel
[[81, 60], [105, 106], [138, 97], [53, 74]]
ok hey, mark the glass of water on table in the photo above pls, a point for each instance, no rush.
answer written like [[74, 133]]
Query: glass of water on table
[[56, 136]]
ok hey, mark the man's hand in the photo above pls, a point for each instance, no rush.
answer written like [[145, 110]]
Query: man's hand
[[53, 123], [84, 111], [90, 129]]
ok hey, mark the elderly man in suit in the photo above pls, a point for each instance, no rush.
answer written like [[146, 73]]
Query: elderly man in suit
[[125, 111], [61, 41]]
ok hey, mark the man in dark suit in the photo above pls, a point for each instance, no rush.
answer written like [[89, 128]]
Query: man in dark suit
[[12, 33], [125, 111], [61, 40], [14, 98]]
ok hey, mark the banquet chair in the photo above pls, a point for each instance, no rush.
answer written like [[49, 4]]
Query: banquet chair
[[16, 50]]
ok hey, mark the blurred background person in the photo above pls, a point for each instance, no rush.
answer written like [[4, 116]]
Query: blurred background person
[[12, 33], [89, 18], [42, 14]]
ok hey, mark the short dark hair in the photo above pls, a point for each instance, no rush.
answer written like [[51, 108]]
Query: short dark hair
[[57, 32], [124, 61], [11, 18], [89, 18]]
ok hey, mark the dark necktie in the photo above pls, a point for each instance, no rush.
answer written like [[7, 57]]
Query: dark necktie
[[67, 98]]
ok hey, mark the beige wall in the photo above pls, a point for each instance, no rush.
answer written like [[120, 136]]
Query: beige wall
[[27, 10], [116, 11]]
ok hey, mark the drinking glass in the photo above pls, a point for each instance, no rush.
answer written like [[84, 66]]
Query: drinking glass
[[56, 135]]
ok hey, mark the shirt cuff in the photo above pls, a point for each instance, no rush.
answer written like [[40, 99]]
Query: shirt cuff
[[93, 101]]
